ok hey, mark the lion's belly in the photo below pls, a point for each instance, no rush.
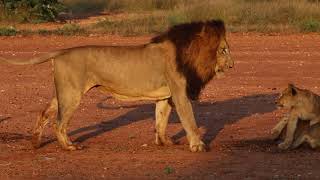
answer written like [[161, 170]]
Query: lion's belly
[[128, 95]]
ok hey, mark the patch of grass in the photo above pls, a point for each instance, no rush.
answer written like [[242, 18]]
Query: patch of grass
[[153, 16], [310, 25], [135, 26], [142, 5], [29, 11], [8, 31], [25, 32], [168, 170], [84, 6], [93, 6], [68, 30], [44, 32], [175, 18]]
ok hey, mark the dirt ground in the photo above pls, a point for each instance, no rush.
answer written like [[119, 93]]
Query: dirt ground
[[235, 114]]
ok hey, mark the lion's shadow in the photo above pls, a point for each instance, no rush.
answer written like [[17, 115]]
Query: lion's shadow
[[211, 115]]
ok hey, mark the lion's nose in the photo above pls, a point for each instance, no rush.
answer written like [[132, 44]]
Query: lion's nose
[[277, 102], [231, 65]]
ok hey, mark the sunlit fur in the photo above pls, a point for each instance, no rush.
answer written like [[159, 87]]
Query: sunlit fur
[[202, 52]]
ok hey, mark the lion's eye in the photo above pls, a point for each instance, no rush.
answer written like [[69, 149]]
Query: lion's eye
[[224, 51]]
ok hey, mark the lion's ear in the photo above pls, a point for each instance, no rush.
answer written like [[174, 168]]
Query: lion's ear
[[292, 89]]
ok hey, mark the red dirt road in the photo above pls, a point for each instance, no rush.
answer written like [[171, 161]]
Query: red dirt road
[[235, 114]]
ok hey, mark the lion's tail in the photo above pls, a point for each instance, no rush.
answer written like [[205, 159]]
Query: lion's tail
[[35, 60]]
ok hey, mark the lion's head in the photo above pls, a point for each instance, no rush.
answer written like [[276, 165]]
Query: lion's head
[[289, 97], [202, 52]]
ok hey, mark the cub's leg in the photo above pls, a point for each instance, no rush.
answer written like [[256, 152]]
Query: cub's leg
[[42, 121], [314, 143], [299, 140], [276, 131], [163, 109], [291, 127]]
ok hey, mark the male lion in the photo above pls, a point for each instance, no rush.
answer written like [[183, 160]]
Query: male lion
[[303, 105], [173, 67]]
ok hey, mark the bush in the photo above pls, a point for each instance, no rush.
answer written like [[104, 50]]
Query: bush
[[310, 25], [8, 31], [31, 10]]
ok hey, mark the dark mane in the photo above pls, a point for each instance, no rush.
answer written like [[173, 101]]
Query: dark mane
[[196, 45]]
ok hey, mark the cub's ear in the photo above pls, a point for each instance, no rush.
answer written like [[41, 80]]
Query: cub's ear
[[292, 89]]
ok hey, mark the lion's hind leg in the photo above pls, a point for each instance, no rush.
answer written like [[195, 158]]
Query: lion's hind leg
[[68, 101], [314, 143], [163, 109], [42, 121], [299, 140]]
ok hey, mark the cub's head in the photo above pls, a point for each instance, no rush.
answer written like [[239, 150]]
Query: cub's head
[[289, 97], [224, 60]]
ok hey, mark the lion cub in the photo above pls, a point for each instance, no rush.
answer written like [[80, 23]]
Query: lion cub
[[302, 105], [304, 133]]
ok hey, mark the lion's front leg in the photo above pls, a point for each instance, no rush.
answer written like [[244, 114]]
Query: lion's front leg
[[163, 109], [291, 127], [276, 131], [177, 84], [185, 112]]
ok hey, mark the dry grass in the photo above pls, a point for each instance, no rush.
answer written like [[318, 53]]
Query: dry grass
[[239, 15], [152, 16]]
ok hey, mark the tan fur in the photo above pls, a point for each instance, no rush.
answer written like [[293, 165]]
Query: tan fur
[[149, 72], [303, 105], [304, 133]]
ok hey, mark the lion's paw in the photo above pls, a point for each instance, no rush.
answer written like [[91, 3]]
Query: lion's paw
[[164, 141], [36, 140], [73, 147], [275, 134], [200, 147], [284, 145]]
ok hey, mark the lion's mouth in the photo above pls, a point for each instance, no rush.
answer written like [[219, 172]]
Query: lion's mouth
[[219, 73], [280, 106]]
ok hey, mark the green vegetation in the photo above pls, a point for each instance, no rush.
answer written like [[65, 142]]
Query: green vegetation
[[132, 26], [239, 15], [66, 30], [168, 170], [137, 17], [70, 29], [8, 31], [85, 6], [30, 10], [310, 25]]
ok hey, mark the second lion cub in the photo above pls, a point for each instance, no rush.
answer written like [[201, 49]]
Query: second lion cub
[[303, 105]]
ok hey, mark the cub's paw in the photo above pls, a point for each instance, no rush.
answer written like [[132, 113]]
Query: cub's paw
[[284, 145], [275, 134]]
